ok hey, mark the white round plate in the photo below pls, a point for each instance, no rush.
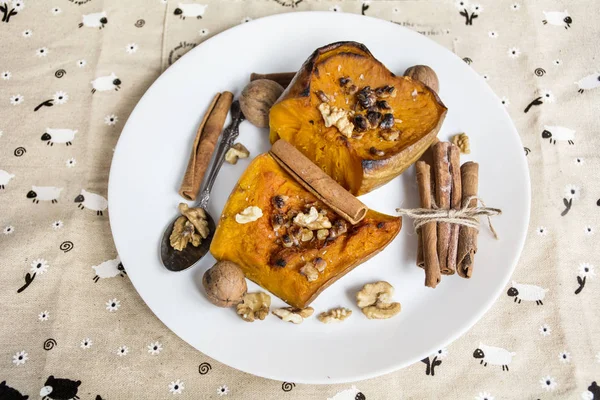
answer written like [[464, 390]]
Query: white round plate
[[152, 155]]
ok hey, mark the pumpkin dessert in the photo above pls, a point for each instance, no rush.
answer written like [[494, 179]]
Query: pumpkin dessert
[[355, 119], [288, 241]]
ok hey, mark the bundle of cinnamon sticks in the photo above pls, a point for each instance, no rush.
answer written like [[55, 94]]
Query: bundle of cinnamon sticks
[[445, 248]]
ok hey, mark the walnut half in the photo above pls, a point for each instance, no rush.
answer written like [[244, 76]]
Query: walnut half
[[197, 216], [333, 116], [249, 214], [314, 220], [236, 152], [253, 306], [191, 227], [310, 272], [184, 233], [375, 300], [335, 315], [462, 142], [294, 315]]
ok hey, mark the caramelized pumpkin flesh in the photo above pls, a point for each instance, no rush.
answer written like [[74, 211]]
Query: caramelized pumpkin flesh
[[394, 119], [279, 254]]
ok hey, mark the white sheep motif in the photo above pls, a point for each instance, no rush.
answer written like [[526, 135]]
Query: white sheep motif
[[5, 177], [558, 133], [109, 269], [190, 10], [106, 83], [521, 291], [44, 193], [493, 356], [58, 136], [95, 20], [349, 394], [92, 201], [558, 18], [588, 82]]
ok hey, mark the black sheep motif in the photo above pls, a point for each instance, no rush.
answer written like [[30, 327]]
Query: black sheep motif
[[513, 292], [8, 393], [60, 389], [44, 193], [493, 355], [523, 292], [594, 389], [190, 10]]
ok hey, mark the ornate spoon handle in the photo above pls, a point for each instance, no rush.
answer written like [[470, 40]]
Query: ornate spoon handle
[[229, 135]]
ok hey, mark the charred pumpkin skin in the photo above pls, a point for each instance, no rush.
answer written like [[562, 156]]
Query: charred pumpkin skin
[[261, 255], [351, 161]]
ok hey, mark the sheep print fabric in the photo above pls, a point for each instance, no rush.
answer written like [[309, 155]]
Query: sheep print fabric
[[73, 326]]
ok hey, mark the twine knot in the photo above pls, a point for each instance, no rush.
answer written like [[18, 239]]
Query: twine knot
[[467, 216]]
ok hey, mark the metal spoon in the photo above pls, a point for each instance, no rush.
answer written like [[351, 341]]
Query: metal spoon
[[175, 260]]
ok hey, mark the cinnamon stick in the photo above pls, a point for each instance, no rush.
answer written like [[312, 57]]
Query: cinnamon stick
[[427, 156], [467, 238], [427, 232], [455, 203], [443, 191], [204, 144], [283, 78], [318, 182]]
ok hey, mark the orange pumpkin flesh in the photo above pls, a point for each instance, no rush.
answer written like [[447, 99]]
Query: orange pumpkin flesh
[[257, 248], [358, 164]]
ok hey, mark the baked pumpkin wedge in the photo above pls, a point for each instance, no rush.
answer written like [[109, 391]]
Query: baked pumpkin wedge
[[354, 118], [298, 247]]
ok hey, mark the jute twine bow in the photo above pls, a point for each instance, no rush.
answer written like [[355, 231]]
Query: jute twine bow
[[467, 216]]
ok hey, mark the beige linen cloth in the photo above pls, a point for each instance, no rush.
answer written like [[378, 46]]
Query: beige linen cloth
[[77, 330]]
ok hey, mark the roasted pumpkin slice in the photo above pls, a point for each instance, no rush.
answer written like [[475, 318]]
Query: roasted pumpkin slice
[[354, 118], [298, 247]]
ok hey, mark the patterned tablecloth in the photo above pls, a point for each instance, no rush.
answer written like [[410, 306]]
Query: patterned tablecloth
[[73, 325]]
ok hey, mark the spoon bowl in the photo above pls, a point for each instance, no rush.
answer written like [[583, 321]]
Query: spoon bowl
[[175, 260]]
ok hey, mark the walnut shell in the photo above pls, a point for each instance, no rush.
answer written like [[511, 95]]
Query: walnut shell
[[424, 74], [256, 100], [225, 284]]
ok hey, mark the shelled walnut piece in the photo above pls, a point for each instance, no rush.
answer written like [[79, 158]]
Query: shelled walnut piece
[[236, 152], [334, 116], [335, 315], [249, 214], [191, 227], [253, 306], [310, 272], [197, 216], [184, 233], [462, 142], [375, 300], [314, 220], [294, 315]]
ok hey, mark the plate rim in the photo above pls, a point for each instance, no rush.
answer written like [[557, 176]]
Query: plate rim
[[476, 317]]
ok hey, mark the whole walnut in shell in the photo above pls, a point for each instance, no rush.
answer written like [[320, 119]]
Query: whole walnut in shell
[[424, 74], [225, 284], [256, 100]]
